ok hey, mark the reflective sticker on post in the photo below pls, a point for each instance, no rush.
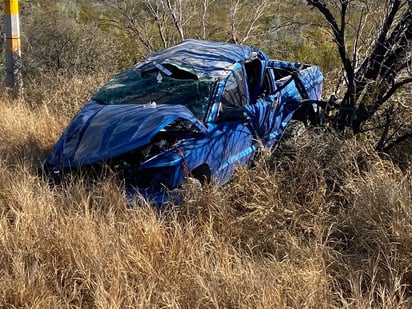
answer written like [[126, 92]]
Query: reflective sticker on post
[[13, 44], [11, 6]]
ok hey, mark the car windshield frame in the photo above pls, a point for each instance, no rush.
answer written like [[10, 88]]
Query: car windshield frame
[[167, 83]]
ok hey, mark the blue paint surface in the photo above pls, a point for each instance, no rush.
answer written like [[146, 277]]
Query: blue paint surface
[[197, 108]]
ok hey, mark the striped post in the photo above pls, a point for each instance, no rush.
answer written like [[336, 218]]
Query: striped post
[[12, 42]]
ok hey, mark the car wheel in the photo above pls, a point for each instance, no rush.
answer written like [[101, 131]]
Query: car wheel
[[202, 173]]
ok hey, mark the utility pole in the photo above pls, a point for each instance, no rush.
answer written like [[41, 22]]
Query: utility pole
[[12, 46]]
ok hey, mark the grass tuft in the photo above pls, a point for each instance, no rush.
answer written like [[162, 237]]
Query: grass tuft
[[317, 223]]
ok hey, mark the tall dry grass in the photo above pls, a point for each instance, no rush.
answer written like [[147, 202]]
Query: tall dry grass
[[320, 223]]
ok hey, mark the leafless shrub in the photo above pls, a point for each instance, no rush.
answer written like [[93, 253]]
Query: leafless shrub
[[61, 45]]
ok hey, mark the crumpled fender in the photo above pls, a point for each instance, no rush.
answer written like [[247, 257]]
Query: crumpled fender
[[100, 132]]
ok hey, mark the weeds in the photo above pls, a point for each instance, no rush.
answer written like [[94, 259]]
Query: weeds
[[317, 223]]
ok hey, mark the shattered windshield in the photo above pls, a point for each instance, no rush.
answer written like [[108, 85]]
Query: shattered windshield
[[161, 84]]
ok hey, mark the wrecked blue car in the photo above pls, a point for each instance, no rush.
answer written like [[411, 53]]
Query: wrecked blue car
[[198, 109]]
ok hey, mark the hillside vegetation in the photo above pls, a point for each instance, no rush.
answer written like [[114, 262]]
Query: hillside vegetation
[[321, 222]]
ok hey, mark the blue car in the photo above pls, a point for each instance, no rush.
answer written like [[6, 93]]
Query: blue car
[[198, 109]]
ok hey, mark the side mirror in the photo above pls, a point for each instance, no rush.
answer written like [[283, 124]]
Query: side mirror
[[233, 114]]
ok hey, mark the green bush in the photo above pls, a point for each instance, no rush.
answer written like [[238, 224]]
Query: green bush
[[60, 44]]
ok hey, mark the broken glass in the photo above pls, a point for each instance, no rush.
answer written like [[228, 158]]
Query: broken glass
[[154, 83]]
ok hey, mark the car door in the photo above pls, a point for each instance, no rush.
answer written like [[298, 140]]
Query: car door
[[231, 137], [262, 111]]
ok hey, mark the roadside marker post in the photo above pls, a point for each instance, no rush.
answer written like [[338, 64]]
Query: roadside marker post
[[12, 46]]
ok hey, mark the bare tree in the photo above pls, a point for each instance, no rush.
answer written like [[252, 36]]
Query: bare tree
[[129, 16], [205, 6], [175, 10], [161, 23], [244, 19], [374, 40], [154, 23]]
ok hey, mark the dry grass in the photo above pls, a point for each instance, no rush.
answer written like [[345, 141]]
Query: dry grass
[[319, 224]]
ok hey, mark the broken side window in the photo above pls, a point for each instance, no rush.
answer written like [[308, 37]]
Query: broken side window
[[234, 93], [253, 72]]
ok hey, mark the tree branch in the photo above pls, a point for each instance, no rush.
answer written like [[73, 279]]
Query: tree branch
[[158, 21], [175, 12], [367, 68], [339, 37], [397, 141], [260, 10], [390, 92], [388, 115]]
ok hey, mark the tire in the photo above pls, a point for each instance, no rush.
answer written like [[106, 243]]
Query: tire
[[202, 173]]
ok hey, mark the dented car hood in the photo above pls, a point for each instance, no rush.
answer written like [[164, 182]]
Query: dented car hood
[[100, 132]]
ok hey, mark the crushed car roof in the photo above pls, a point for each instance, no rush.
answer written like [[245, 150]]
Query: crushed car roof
[[205, 56]]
